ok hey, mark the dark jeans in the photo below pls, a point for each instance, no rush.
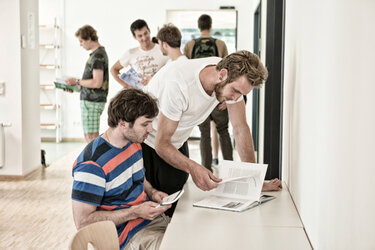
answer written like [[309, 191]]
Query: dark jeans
[[220, 117], [163, 176]]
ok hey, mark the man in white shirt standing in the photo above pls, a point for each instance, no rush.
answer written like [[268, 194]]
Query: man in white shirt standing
[[146, 59], [188, 91], [169, 38]]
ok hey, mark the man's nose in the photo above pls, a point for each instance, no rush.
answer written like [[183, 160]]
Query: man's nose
[[150, 128]]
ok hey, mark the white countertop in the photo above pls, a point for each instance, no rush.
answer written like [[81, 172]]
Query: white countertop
[[273, 225]]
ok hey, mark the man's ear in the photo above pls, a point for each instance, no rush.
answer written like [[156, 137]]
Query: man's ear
[[165, 45], [223, 74], [123, 124]]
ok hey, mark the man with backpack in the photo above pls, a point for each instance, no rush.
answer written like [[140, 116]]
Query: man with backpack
[[207, 46]]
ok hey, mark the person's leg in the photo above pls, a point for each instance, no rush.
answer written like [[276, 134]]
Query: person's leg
[[91, 136], [214, 144], [221, 119], [149, 237], [205, 144], [163, 176], [91, 112]]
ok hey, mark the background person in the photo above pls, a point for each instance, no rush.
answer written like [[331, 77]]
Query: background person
[[146, 59], [217, 121], [169, 39], [94, 83]]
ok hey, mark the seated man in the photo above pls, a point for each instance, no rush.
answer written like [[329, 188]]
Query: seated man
[[109, 182]]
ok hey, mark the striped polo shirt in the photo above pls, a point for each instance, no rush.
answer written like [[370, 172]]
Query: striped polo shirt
[[111, 178]]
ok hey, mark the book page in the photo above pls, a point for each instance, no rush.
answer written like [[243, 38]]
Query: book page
[[248, 187], [223, 203], [240, 189]]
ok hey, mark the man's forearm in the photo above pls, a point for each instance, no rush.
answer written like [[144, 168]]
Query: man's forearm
[[244, 142], [90, 83], [122, 82], [148, 188], [118, 216], [115, 72]]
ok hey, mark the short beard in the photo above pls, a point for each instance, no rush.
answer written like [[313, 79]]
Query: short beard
[[219, 90]]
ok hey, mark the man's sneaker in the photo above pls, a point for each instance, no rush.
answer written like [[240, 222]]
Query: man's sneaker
[[215, 170], [215, 161]]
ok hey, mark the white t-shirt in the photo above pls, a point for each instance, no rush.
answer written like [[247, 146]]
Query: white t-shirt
[[145, 62], [181, 96]]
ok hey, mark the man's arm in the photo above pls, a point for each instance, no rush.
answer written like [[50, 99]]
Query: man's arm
[[244, 141], [115, 71], [202, 177], [85, 214], [222, 47], [95, 83], [241, 130], [188, 49], [154, 194]]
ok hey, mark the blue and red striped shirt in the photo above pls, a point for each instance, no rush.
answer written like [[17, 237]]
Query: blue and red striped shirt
[[111, 178]]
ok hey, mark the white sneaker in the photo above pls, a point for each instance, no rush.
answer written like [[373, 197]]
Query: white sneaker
[[215, 170]]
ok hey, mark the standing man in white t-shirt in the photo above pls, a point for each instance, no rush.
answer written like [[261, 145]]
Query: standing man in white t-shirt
[[146, 59], [188, 91], [169, 38]]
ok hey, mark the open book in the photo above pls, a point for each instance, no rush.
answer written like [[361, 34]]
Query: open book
[[61, 84], [133, 78], [240, 189], [171, 198]]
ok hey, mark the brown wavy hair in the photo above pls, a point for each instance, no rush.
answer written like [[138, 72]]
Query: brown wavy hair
[[244, 63], [129, 104], [87, 32], [171, 35]]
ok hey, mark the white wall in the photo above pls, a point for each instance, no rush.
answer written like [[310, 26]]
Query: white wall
[[113, 26], [329, 119], [30, 87], [20, 104]]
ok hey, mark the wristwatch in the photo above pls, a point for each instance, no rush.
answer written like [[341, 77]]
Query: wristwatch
[[77, 84]]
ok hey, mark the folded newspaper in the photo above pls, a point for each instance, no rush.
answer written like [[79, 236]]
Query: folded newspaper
[[61, 84], [240, 189], [133, 78]]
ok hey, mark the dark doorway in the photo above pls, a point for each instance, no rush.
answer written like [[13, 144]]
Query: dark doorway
[[255, 120], [274, 88]]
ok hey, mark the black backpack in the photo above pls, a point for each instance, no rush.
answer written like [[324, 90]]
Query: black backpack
[[204, 47]]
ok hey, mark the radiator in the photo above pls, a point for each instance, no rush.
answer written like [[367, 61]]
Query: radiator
[[2, 142]]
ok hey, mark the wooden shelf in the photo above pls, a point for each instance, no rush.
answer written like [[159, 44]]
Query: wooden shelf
[[48, 26], [48, 126], [49, 66], [49, 106], [49, 46], [47, 86]]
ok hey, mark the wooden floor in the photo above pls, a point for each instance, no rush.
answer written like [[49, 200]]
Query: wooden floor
[[36, 213]]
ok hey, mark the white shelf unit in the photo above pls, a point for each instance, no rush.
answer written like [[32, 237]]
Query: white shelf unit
[[50, 69]]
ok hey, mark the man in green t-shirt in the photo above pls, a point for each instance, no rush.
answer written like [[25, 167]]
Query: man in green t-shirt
[[94, 83]]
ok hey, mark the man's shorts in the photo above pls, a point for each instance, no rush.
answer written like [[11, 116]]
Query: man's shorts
[[149, 237], [90, 114]]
